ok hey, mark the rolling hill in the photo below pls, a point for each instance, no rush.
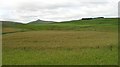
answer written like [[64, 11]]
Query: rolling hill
[[80, 42]]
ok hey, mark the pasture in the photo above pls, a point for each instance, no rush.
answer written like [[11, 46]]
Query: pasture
[[87, 42]]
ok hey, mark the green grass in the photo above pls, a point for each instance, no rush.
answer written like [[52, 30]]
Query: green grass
[[79, 42], [60, 47], [88, 56]]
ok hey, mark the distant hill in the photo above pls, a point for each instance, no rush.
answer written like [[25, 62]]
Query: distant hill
[[93, 24], [79, 21], [94, 21], [40, 21], [10, 23]]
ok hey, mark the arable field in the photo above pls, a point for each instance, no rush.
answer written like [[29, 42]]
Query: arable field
[[66, 43]]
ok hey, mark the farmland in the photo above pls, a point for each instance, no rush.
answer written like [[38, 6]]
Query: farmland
[[78, 42]]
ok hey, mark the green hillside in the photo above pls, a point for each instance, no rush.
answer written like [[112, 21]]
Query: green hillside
[[77, 42], [105, 24]]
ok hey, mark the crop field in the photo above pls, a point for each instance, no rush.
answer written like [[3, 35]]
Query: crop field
[[88, 42]]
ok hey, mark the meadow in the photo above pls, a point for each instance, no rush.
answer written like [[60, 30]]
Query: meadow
[[78, 42]]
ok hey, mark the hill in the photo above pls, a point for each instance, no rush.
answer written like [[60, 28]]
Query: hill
[[40, 21], [10, 23], [103, 24]]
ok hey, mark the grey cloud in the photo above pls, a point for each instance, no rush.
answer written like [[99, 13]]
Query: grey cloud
[[35, 7], [59, 11]]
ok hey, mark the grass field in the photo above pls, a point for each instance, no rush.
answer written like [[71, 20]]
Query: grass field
[[83, 42]]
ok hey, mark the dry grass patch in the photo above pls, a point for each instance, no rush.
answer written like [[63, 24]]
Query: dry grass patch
[[59, 39]]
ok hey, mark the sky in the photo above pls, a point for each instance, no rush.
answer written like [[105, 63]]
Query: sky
[[56, 10]]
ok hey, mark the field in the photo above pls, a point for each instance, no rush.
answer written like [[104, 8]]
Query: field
[[78, 42]]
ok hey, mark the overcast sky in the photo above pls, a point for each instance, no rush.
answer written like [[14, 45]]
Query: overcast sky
[[56, 10]]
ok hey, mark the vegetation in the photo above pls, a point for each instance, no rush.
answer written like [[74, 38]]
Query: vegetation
[[81, 42]]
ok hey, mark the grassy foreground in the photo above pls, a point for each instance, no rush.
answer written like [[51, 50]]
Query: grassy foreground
[[76, 42]]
